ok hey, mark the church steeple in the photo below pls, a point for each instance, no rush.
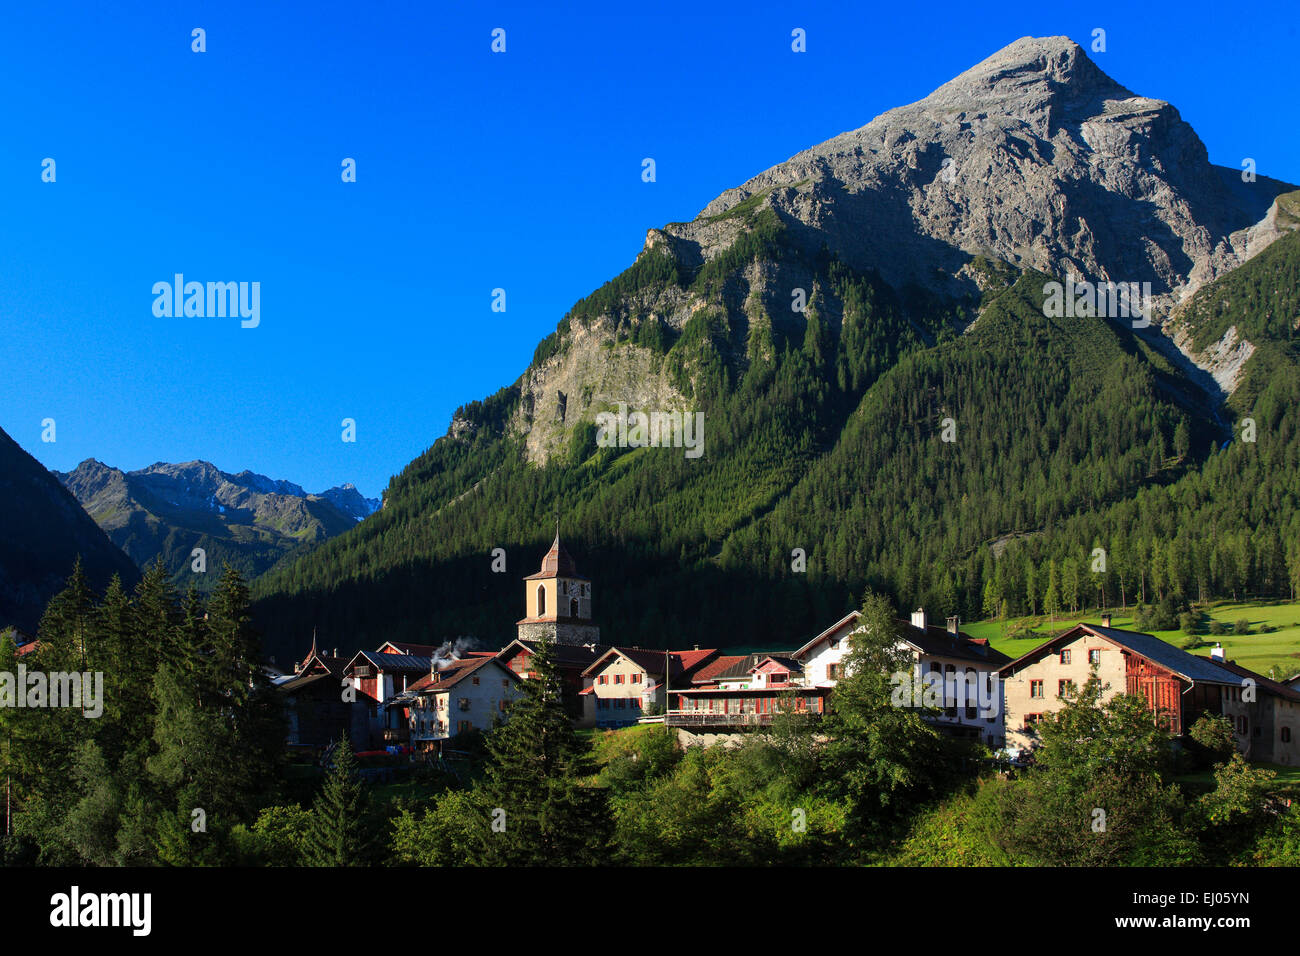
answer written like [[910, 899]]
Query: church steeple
[[558, 599]]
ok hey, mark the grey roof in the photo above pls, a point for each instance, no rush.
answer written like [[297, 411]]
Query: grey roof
[[1166, 655], [1185, 665], [397, 662]]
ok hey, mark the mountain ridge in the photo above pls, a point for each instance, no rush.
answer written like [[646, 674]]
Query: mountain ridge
[[45, 531], [168, 509]]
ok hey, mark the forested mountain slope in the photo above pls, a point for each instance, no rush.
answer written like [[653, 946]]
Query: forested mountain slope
[[922, 425]]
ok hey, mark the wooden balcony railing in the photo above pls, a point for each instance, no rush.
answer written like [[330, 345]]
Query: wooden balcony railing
[[704, 718]]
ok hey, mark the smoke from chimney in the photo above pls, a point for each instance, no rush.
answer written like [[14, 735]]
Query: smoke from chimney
[[451, 651]]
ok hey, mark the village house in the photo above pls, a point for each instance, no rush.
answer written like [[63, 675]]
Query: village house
[[376, 678], [822, 658], [964, 671], [472, 693], [571, 660], [1266, 727], [625, 683], [315, 705], [1179, 687], [415, 650], [738, 693]]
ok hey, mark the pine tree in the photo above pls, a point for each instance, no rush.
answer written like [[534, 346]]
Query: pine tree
[[538, 810], [337, 833], [1052, 597]]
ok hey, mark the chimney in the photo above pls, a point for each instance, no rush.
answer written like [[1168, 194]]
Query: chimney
[[1105, 620], [1216, 652], [954, 626], [918, 618]]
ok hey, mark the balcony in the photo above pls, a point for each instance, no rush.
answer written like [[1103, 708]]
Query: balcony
[[704, 718]]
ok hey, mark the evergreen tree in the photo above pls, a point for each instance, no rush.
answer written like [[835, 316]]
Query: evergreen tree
[[880, 757], [538, 808], [338, 833]]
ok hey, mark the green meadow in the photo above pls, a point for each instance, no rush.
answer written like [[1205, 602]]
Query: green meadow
[[1258, 650]]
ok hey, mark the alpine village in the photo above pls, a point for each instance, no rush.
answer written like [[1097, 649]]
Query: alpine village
[[943, 575]]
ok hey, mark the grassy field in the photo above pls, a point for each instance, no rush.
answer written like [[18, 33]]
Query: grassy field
[[1257, 651]]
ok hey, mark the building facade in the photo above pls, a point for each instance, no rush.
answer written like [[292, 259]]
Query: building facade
[[558, 601]]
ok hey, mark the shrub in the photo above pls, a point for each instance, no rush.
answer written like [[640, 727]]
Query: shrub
[[1242, 626], [1218, 628]]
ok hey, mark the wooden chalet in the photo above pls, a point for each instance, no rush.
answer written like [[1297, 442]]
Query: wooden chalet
[[1178, 686], [317, 711]]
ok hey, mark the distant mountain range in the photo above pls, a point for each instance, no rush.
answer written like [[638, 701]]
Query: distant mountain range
[[251, 521], [42, 532]]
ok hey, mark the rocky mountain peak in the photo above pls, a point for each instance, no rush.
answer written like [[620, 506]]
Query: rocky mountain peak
[[1034, 156], [1031, 68]]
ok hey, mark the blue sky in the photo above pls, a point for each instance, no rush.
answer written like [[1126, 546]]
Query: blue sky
[[475, 171]]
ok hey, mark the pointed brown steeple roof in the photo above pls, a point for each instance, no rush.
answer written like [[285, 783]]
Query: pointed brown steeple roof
[[557, 563]]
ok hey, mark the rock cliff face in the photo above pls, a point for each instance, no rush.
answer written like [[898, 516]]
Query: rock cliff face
[[1034, 158]]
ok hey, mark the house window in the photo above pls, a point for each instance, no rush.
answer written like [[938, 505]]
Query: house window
[[832, 671], [1094, 656], [463, 703], [1241, 725], [1062, 688], [1286, 735], [541, 600], [1035, 688], [505, 682], [618, 678], [475, 681], [573, 608], [1065, 656], [1032, 719], [835, 644], [636, 678], [972, 710], [464, 726], [603, 679]]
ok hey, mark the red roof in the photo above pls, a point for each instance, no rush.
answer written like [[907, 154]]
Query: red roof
[[694, 658], [453, 674], [715, 667], [652, 661]]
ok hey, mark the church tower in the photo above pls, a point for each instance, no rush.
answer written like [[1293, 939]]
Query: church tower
[[558, 601]]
